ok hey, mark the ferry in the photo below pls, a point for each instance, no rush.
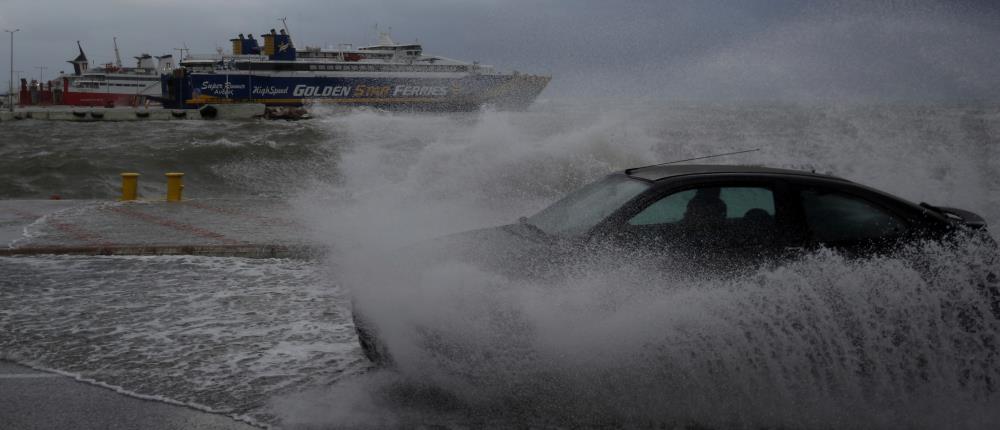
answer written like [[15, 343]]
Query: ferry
[[107, 86], [386, 75], [113, 84]]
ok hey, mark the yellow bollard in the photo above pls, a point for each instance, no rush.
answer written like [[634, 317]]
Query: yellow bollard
[[175, 185], [130, 186]]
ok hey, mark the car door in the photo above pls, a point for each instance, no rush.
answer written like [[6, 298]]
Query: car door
[[849, 220], [716, 225]]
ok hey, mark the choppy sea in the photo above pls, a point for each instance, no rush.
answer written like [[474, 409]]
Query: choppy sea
[[824, 342]]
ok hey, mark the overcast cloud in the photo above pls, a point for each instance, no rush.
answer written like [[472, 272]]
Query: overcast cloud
[[675, 50]]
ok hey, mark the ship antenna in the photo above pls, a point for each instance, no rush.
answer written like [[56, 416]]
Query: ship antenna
[[628, 171], [285, 24], [118, 57]]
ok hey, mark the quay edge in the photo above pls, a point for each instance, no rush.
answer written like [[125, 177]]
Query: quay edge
[[89, 114]]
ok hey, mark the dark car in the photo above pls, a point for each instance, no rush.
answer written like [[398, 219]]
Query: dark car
[[715, 218]]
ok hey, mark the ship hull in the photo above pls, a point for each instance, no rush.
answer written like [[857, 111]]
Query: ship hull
[[98, 99], [456, 93]]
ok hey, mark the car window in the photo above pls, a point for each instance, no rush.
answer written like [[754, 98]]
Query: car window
[[581, 210], [722, 202], [837, 217]]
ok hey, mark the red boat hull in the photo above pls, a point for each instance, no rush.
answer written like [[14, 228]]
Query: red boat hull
[[100, 99]]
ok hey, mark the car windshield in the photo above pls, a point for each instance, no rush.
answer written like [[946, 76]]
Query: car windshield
[[581, 210]]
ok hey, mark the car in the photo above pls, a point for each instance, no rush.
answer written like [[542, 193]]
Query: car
[[704, 218]]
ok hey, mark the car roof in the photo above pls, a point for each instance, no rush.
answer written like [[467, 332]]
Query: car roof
[[658, 172]]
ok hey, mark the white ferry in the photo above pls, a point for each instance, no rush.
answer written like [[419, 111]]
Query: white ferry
[[384, 75], [113, 84]]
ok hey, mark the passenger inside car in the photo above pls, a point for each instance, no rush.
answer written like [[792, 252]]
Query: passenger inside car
[[705, 208]]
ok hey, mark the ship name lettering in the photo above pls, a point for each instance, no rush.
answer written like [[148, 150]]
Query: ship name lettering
[[418, 91], [270, 91], [316, 91], [224, 89], [363, 90]]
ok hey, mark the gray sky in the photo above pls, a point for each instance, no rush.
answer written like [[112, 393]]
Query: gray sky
[[699, 50]]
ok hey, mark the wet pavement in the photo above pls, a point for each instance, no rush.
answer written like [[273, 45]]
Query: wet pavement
[[31, 399], [219, 227]]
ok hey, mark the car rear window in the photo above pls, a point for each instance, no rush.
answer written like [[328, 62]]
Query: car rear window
[[835, 217]]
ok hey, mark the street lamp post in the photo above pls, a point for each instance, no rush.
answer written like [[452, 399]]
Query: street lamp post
[[10, 88]]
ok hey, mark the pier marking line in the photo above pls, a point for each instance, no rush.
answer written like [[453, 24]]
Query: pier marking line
[[228, 211], [75, 232], [176, 225], [80, 234]]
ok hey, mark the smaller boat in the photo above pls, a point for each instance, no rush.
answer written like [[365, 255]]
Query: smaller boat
[[112, 84]]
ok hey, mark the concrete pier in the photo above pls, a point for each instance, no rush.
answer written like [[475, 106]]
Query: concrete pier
[[211, 227], [250, 228], [91, 114]]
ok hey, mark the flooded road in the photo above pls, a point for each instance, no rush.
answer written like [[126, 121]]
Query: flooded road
[[824, 342]]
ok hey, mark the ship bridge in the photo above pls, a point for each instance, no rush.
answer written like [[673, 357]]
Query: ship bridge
[[385, 43]]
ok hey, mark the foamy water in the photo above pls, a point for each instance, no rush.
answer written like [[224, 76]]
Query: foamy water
[[220, 333], [823, 342]]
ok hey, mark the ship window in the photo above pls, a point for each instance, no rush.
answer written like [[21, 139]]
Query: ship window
[[312, 67]]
